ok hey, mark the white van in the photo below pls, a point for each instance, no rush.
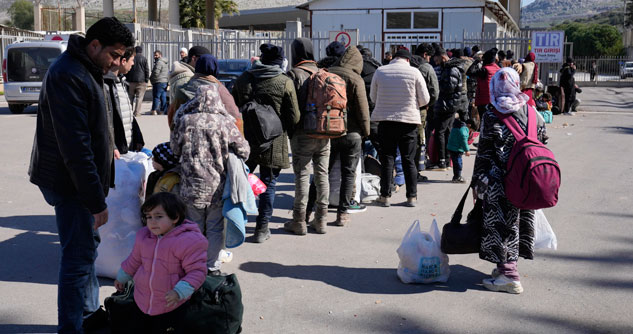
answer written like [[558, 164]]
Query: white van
[[23, 69]]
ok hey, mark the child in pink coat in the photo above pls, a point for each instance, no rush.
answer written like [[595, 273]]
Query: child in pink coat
[[167, 263]]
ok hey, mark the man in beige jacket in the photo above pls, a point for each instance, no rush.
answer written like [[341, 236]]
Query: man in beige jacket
[[399, 91]]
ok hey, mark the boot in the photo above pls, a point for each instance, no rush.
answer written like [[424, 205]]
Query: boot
[[320, 220], [342, 219], [262, 233], [297, 225]]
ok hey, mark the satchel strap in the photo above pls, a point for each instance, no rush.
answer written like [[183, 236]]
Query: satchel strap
[[457, 216]]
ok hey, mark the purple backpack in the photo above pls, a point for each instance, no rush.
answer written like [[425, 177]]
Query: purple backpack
[[533, 175]]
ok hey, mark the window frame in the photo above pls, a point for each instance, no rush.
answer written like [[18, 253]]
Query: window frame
[[412, 15]]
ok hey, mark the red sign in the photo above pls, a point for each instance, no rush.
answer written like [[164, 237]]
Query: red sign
[[343, 38]]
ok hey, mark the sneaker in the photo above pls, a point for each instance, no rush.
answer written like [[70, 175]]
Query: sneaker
[[411, 202], [422, 178], [225, 256], [503, 283], [569, 113], [355, 207], [459, 179], [214, 272], [154, 112], [383, 201]]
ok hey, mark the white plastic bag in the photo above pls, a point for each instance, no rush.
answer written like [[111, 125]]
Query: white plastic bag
[[421, 259], [544, 237], [124, 217], [370, 187]]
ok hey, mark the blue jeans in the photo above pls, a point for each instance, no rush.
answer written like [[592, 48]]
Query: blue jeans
[[78, 288], [159, 93], [266, 199], [456, 157]]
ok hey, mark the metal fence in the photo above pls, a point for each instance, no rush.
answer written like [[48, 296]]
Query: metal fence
[[604, 69]]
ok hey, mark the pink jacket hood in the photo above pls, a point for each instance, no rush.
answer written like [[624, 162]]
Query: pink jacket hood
[[157, 264]]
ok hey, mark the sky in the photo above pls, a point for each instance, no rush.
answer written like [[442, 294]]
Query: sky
[[526, 2]]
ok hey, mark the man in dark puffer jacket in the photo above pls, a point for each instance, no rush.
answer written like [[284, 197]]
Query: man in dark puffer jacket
[[452, 99]]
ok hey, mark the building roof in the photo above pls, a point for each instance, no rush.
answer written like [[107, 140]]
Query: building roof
[[260, 4], [502, 14]]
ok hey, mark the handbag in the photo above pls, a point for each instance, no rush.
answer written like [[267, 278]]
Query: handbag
[[458, 238]]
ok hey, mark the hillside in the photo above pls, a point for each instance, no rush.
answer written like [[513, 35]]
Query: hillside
[[543, 13]]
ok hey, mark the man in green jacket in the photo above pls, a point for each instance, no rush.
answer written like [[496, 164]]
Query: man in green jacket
[[349, 147], [266, 83]]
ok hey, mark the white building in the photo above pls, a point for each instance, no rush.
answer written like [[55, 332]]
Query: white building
[[410, 22]]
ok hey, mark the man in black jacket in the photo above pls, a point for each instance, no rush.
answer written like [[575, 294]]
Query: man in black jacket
[[72, 161], [137, 77], [452, 99]]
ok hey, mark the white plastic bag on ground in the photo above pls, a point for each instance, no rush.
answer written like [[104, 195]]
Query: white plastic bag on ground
[[124, 217], [370, 187], [421, 259], [544, 237]]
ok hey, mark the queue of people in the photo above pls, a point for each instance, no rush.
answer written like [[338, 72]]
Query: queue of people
[[393, 109]]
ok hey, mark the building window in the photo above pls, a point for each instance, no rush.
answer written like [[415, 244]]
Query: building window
[[413, 20], [399, 20], [426, 20]]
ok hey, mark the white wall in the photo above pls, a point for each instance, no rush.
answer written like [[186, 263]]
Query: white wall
[[368, 23], [456, 21], [387, 4]]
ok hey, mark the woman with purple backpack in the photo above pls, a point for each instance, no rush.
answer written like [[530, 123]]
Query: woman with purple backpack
[[507, 231]]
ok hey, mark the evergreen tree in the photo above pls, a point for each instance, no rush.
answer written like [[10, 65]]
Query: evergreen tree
[[192, 12]]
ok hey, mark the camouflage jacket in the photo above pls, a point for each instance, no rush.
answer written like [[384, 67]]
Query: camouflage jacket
[[203, 135]]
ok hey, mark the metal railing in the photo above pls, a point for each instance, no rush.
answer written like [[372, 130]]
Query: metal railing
[[606, 69]]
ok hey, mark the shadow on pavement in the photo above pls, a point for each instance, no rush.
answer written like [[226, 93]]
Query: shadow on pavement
[[620, 129], [557, 324], [367, 280], [30, 256], [10, 329]]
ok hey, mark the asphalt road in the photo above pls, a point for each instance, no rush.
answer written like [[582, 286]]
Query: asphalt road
[[345, 281]]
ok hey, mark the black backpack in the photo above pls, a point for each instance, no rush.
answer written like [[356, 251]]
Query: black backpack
[[261, 123], [215, 308]]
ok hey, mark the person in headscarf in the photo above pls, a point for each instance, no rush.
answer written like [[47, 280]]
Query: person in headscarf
[[205, 73], [507, 232], [529, 76], [333, 52], [267, 84]]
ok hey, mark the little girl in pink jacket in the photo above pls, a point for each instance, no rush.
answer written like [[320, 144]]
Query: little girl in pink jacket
[[167, 263]]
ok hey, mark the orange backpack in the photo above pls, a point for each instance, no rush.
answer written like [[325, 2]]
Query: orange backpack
[[326, 113]]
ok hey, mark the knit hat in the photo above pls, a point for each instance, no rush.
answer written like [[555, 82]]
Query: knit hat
[[468, 52], [183, 50], [489, 56], [198, 51], [207, 65], [163, 154], [403, 53], [335, 49], [271, 54]]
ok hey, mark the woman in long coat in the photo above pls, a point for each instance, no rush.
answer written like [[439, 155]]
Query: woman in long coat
[[508, 232]]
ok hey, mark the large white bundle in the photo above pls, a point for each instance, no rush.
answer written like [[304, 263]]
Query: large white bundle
[[124, 217]]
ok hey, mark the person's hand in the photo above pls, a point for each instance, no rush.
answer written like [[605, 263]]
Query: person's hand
[[467, 154], [101, 218], [172, 298], [117, 155], [119, 286]]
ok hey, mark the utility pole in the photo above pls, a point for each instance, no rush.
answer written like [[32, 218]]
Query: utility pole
[[209, 12], [134, 20]]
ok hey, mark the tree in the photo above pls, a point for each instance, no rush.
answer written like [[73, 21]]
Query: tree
[[21, 13], [593, 40], [192, 12]]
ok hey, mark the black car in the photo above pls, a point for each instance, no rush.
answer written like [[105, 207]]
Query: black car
[[231, 69]]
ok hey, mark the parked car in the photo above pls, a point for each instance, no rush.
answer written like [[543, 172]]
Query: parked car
[[231, 69], [626, 70], [23, 69]]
